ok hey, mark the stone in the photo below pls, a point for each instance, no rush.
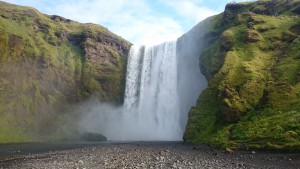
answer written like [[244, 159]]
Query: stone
[[162, 153], [94, 137], [80, 162], [228, 150]]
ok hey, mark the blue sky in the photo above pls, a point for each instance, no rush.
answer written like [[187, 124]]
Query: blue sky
[[139, 21]]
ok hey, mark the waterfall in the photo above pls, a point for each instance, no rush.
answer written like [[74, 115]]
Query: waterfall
[[162, 83], [151, 90]]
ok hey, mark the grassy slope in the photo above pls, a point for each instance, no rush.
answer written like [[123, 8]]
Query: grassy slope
[[45, 66], [253, 99]]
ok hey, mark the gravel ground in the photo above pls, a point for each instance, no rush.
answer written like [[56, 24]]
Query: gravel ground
[[150, 155]]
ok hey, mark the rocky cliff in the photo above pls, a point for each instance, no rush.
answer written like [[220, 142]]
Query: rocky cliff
[[252, 63], [47, 63]]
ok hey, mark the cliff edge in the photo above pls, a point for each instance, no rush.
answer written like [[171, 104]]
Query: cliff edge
[[48, 63], [252, 63]]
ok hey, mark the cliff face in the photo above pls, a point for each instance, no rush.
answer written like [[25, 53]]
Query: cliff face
[[48, 63], [252, 64]]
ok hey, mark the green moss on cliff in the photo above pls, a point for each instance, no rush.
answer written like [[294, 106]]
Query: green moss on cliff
[[47, 63], [253, 72]]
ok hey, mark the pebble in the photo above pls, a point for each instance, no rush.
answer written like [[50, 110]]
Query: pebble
[[162, 153], [178, 156], [80, 162]]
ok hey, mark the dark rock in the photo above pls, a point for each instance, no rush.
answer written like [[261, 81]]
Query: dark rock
[[14, 41], [250, 25], [252, 36], [90, 136], [4, 16], [59, 19], [76, 39], [297, 10], [234, 6], [210, 37], [42, 27], [295, 29], [226, 42]]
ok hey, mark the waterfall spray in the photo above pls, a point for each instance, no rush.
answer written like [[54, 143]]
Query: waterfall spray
[[162, 83]]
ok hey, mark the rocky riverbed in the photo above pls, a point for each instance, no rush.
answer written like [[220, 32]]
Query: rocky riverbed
[[149, 155]]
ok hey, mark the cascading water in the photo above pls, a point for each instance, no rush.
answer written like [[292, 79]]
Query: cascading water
[[151, 90], [162, 83]]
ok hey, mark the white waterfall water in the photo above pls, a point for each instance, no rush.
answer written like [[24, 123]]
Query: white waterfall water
[[151, 90], [162, 83], [132, 79]]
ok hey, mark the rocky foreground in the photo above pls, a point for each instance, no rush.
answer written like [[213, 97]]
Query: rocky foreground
[[151, 155]]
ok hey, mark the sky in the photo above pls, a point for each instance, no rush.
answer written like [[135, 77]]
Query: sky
[[138, 21]]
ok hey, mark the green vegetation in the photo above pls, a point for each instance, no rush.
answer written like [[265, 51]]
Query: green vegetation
[[253, 99], [47, 63]]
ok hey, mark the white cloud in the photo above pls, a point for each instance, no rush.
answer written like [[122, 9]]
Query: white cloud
[[134, 21], [151, 30], [137, 20], [193, 11]]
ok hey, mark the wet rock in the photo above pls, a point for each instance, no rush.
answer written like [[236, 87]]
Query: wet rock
[[89, 136]]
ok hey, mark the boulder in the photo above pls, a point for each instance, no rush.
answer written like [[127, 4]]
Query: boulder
[[95, 137]]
